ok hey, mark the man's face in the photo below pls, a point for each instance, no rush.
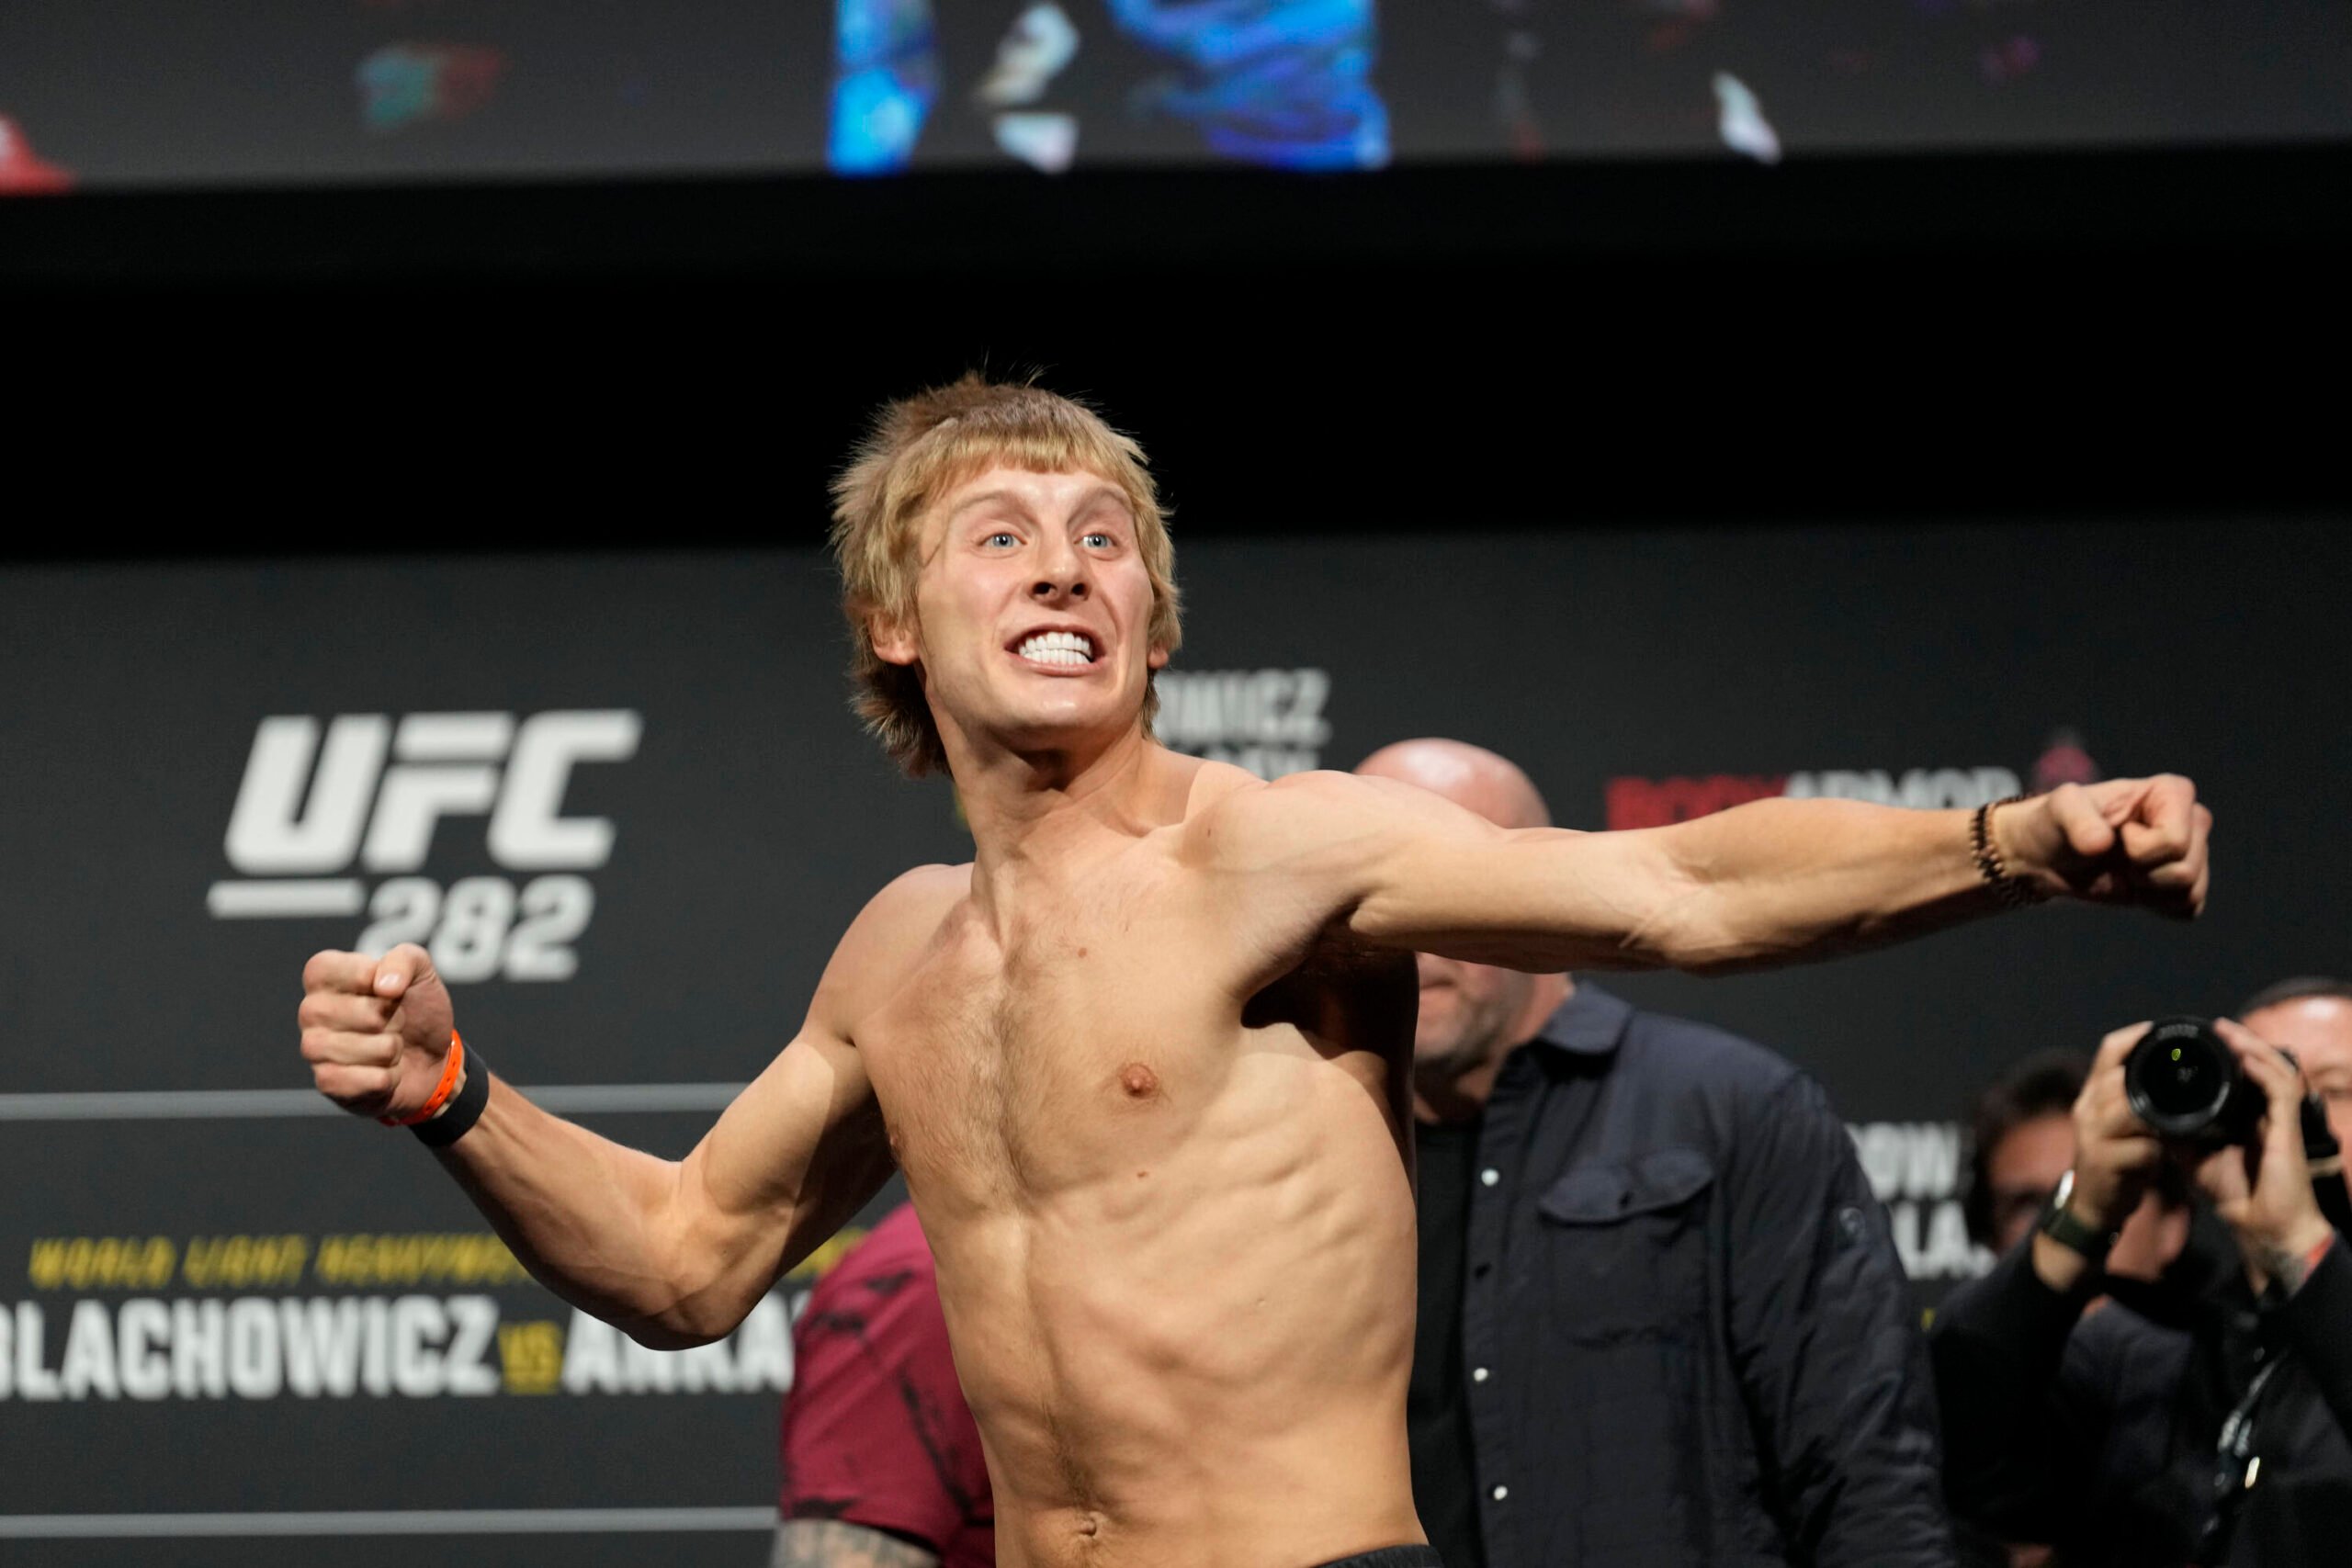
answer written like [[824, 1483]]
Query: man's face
[[1466, 1008], [1033, 611], [2022, 1171], [2318, 1030]]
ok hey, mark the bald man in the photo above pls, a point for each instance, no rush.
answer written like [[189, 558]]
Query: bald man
[[1661, 1320]]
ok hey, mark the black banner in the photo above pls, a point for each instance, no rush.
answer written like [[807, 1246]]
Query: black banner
[[623, 800]]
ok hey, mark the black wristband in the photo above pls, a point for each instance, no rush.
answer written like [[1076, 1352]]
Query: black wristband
[[465, 1107], [2059, 1224]]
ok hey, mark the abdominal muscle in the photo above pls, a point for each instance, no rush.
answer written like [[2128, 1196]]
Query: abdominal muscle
[[1195, 1351]]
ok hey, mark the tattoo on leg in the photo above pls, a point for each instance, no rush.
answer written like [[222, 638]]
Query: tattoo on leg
[[832, 1543]]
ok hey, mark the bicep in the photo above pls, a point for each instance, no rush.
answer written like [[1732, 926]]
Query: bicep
[[1540, 899], [800, 1150], [1427, 875], [1403, 868]]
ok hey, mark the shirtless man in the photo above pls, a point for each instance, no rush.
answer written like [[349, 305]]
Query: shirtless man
[[1145, 1062]]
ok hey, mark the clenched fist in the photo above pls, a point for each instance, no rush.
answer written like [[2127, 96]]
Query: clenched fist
[[2124, 841], [375, 1030]]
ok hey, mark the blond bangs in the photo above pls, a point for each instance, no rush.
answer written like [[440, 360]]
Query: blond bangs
[[917, 451]]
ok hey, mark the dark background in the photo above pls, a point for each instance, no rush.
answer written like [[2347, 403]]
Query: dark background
[[552, 365]]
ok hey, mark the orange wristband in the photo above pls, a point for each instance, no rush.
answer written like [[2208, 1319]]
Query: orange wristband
[[451, 1066]]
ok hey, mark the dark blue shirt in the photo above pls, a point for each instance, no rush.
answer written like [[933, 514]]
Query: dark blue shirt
[[1685, 1337]]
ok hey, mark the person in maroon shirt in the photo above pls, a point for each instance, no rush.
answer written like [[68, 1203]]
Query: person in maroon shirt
[[881, 1463]]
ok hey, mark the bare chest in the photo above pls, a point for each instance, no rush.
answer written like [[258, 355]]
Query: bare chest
[[1026, 1057]]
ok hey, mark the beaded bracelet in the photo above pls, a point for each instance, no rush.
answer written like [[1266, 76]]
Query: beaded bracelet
[[2015, 892]]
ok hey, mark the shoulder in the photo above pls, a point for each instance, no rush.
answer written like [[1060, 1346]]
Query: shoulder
[[1663, 1044], [1744, 1094], [907, 911], [889, 937], [1234, 819]]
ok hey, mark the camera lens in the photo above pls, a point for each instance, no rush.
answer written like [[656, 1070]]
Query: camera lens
[[2185, 1082]]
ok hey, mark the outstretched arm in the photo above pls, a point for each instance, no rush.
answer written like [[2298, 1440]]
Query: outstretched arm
[[675, 1252], [1770, 882]]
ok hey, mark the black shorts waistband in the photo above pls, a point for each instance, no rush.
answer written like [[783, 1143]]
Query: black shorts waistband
[[1390, 1557]]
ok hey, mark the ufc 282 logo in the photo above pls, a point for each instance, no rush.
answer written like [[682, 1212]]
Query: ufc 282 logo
[[325, 809]]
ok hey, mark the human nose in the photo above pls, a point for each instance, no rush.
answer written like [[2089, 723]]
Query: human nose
[[1061, 573]]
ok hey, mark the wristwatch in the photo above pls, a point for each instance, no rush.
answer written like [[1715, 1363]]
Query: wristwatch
[[2062, 1227]]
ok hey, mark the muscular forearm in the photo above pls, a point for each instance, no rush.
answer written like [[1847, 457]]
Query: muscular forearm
[[598, 1223], [1778, 881]]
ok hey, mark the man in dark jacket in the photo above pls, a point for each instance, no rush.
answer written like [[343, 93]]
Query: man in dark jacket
[[2202, 1420], [1662, 1320]]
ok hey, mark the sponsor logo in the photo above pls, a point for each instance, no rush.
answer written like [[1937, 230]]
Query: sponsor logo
[[1269, 721], [1914, 1168], [1654, 803], [1632, 802], [365, 792]]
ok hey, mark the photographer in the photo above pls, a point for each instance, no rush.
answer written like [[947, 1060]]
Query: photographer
[[2201, 1421]]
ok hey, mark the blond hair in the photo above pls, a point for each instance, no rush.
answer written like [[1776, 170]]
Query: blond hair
[[918, 450]]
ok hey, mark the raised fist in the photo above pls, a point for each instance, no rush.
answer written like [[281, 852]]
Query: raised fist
[[2125, 842], [375, 1030]]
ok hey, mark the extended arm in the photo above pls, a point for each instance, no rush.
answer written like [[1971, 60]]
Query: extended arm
[[675, 1252], [1770, 882]]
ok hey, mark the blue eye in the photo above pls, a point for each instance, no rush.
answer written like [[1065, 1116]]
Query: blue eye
[[1099, 540], [1001, 538]]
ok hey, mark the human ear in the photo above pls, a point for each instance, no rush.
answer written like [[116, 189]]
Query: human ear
[[893, 637], [1156, 660]]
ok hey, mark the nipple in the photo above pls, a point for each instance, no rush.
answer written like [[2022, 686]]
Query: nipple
[[1138, 1080]]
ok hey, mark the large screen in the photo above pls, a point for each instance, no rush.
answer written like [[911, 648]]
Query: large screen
[[142, 92]]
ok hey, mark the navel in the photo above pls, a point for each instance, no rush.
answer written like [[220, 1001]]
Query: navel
[[1138, 1080]]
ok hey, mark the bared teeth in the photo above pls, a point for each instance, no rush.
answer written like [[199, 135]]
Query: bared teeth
[[1058, 648]]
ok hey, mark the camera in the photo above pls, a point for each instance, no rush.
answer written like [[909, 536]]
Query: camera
[[2184, 1081]]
